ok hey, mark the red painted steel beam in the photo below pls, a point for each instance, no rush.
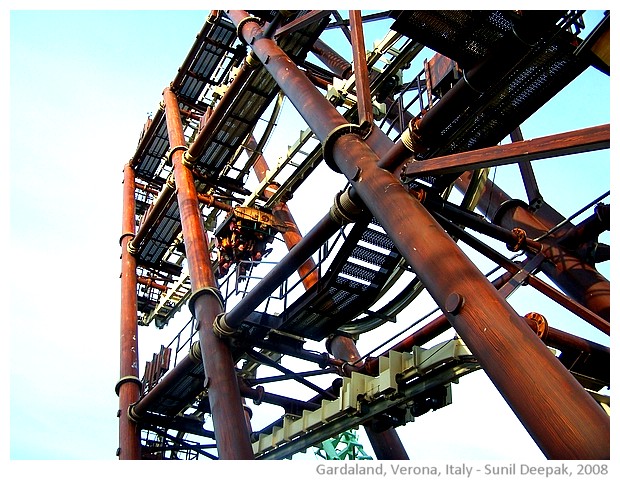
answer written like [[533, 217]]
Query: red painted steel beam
[[551, 146], [362, 80], [211, 201], [129, 386], [231, 433], [309, 18], [572, 425]]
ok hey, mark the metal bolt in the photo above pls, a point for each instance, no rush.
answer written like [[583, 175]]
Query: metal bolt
[[454, 302]]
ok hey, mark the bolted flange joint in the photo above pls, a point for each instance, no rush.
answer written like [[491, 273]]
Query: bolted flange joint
[[221, 328], [126, 379], [335, 134], [203, 291], [344, 210]]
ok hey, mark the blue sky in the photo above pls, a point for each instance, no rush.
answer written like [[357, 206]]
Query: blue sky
[[81, 85]]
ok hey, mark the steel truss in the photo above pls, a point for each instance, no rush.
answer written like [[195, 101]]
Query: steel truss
[[200, 234]]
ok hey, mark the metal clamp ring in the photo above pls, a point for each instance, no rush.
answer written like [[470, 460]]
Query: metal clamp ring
[[330, 140], [221, 328], [170, 152], [131, 248], [250, 18], [212, 290], [195, 353], [128, 378]]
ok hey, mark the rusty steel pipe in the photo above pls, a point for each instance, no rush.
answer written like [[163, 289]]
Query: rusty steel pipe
[[152, 216], [426, 333], [149, 282], [211, 201], [231, 433], [129, 386], [362, 80], [510, 353], [317, 111], [579, 280], [154, 395], [573, 426], [425, 132]]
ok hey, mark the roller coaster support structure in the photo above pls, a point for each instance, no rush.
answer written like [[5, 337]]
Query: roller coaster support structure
[[526, 373]]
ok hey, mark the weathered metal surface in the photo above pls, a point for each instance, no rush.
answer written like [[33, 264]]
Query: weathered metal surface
[[426, 247], [231, 433], [475, 111], [128, 387]]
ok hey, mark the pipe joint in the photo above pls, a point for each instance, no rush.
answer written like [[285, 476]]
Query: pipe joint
[[335, 134], [131, 248], [188, 159], [252, 61], [412, 138], [127, 379], [541, 326], [126, 234], [132, 415], [195, 353], [202, 291], [469, 84], [171, 152], [505, 207], [221, 328], [241, 24], [344, 210]]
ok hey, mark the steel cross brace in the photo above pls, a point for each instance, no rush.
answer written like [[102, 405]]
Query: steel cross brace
[[573, 425]]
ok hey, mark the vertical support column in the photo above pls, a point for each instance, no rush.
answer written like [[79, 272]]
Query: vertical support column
[[129, 386], [362, 85], [231, 433]]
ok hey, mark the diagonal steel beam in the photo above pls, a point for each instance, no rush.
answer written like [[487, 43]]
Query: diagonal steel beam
[[577, 141]]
